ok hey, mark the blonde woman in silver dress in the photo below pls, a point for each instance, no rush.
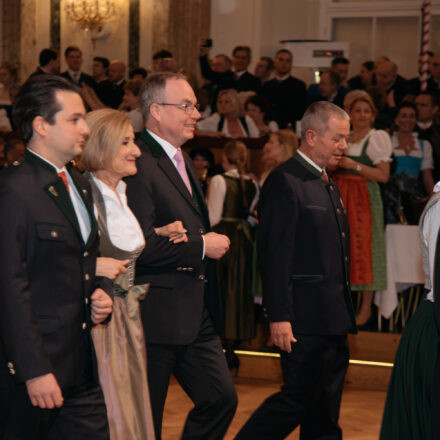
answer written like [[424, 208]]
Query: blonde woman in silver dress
[[110, 155]]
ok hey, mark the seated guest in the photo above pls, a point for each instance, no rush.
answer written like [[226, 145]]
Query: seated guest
[[286, 93], [412, 154], [329, 89], [228, 120], [109, 155], [365, 77], [49, 63], [130, 102], [258, 108], [264, 69], [427, 126], [231, 199], [280, 147], [73, 56], [100, 69]]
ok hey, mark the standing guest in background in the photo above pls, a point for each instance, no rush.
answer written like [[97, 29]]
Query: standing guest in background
[[366, 163], [394, 85], [158, 59], [228, 122], [264, 69], [286, 93], [365, 77], [49, 296], [244, 80], [258, 108], [182, 311], [339, 65], [130, 102], [13, 150], [138, 73], [231, 199], [434, 68], [329, 89], [100, 69], [202, 160], [412, 154], [303, 244], [280, 147], [428, 126], [73, 56], [49, 60], [412, 403]]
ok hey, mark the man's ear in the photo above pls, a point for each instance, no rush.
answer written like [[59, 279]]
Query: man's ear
[[155, 111], [39, 124], [311, 137]]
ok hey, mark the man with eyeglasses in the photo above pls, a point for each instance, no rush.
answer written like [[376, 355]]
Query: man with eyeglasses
[[181, 313]]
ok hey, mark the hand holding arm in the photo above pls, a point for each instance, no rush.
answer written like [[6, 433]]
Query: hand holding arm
[[379, 173], [174, 231], [110, 267], [282, 336], [45, 392], [101, 306]]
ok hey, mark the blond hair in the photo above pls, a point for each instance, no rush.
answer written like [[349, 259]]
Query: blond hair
[[107, 131], [233, 94], [236, 154], [289, 140]]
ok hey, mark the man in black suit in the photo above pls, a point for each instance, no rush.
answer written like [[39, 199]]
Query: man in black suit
[[49, 297], [111, 90], [181, 313], [286, 93], [428, 126], [329, 89], [303, 245], [49, 63], [73, 73]]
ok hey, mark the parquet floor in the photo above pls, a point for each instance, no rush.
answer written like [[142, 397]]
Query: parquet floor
[[361, 410]]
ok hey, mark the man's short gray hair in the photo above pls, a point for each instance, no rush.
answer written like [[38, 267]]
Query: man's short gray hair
[[318, 115], [154, 90]]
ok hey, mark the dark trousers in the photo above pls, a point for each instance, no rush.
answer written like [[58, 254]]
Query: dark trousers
[[82, 416], [313, 376], [201, 370]]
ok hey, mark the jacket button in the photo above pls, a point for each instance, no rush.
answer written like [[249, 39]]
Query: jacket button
[[343, 235], [338, 210], [201, 277], [331, 188], [179, 268], [10, 365], [346, 258], [86, 300], [85, 254], [201, 231], [87, 277], [54, 234], [190, 269], [84, 325]]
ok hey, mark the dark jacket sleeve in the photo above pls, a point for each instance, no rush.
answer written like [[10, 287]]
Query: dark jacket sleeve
[[278, 217], [215, 77]]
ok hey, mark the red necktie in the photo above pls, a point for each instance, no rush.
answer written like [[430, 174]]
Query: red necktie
[[324, 176], [63, 177]]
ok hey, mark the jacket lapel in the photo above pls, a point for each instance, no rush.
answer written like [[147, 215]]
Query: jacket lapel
[[164, 162]]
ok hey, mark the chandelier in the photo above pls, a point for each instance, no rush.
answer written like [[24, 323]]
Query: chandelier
[[91, 15]]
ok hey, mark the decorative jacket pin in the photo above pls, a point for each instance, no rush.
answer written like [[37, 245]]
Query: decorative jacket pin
[[53, 191]]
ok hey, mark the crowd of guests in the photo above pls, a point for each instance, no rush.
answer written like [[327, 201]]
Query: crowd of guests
[[386, 175]]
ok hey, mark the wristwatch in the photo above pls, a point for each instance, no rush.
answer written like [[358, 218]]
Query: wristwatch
[[358, 167]]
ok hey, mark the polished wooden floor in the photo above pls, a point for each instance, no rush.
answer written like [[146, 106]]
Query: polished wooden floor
[[361, 410]]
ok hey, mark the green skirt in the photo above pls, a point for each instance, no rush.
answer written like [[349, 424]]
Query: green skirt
[[407, 413]]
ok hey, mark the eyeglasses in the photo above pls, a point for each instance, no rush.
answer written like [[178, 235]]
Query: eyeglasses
[[187, 108]]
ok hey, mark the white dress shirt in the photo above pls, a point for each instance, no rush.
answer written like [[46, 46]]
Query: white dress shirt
[[123, 228]]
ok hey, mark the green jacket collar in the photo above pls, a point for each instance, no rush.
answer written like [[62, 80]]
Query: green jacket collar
[[307, 165], [153, 145], [33, 158]]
